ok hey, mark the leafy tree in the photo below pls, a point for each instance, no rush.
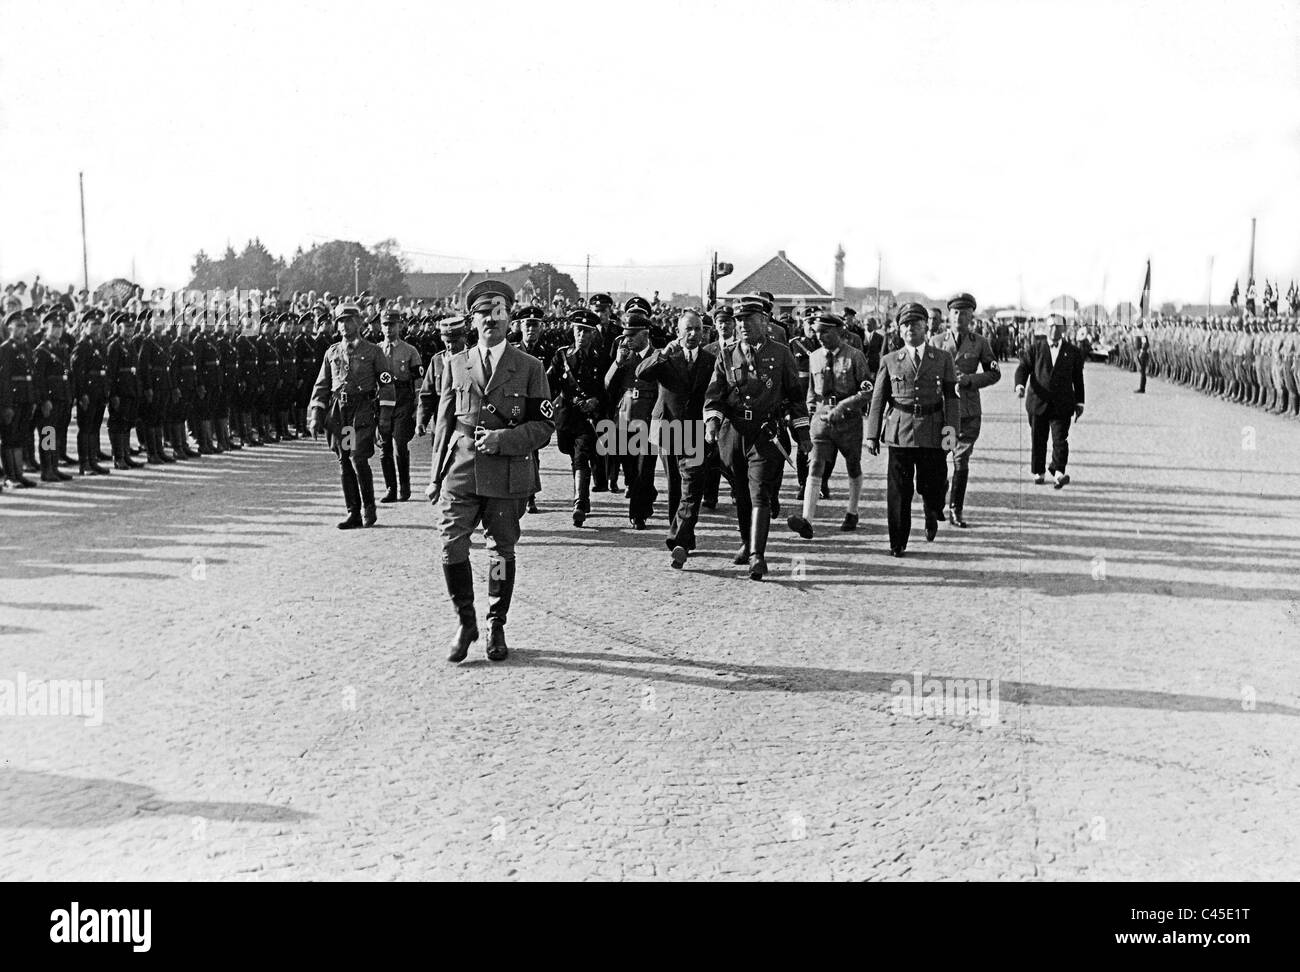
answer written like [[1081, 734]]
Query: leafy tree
[[550, 281]]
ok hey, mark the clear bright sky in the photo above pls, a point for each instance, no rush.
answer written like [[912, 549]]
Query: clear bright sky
[[981, 146]]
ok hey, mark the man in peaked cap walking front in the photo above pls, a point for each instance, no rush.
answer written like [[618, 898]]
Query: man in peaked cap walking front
[[494, 413], [915, 410], [634, 400], [755, 384], [405, 363]]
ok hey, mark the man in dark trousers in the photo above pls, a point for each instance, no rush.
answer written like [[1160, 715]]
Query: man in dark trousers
[[634, 400], [683, 371], [1050, 380], [915, 410]]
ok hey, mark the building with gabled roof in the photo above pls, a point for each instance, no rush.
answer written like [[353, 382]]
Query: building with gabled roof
[[791, 286], [451, 288]]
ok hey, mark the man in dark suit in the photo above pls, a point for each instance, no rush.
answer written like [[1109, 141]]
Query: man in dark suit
[[1050, 380], [683, 370]]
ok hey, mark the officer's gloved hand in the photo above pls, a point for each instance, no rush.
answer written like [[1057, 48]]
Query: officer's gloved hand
[[873, 447], [804, 440], [711, 431], [315, 419], [837, 414], [963, 380]]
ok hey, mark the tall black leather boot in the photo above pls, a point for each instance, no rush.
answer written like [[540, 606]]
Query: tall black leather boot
[[366, 482], [403, 476], [581, 495], [351, 496], [758, 543], [460, 585], [390, 477], [501, 588]]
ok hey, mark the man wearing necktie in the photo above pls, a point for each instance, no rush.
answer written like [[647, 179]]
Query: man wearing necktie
[[355, 382], [577, 379], [755, 385], [1050, 380], [494, 413], [915, 411], [683, 370]]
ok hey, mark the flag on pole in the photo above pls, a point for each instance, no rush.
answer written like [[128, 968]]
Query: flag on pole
[[1145, 302], [1236, 294]]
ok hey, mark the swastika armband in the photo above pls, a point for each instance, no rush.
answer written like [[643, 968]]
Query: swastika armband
[[866, 386], [385, 378], [538, 410]]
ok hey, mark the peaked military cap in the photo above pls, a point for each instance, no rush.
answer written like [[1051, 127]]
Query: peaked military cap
[[584, 318], [485, 290], [961, 302], [529, 313], [912, 311], [346, 309], [455, 324], [637, 305], [601, 300], [751, 304]]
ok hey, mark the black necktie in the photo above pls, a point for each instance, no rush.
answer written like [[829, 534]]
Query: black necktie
[[487, 368]]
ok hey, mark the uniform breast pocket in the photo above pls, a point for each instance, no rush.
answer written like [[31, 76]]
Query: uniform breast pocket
[[463, 403]]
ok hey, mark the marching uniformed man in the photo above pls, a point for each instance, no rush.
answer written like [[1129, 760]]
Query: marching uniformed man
[[605, 476], [970, 352], [916, 411], [634, 401], [755, 385], [839, 390], [577, 378], [395, 459], [354, 383], [494, 413]]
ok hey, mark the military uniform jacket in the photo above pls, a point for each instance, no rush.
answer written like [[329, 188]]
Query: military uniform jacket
[[123, 369], [353, 375], [517, 401], [288, 359], [307, 361], [635, 396], [207, 358], [911, 406], [967, 357], [250, 365], [430, 389], [748, 397], [89, 371], [15, 375], [184, 369], [576, 378], [269, 363], [802, 349], [50, 373], [154, 374], [847, 382], [404, 361]]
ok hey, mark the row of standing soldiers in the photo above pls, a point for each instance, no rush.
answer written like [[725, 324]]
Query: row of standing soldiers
[[1254, 363], [163, 377]]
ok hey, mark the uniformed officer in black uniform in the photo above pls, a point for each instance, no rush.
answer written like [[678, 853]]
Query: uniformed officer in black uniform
[[123, 393], [17, 399], [577, 380], [915, 411], [605, 477], [352, 396], [755, 385], [90, 386], [50, 378], [634, 401]]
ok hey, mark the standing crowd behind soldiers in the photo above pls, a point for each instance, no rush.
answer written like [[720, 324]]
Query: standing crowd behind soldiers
[[1250, 360]]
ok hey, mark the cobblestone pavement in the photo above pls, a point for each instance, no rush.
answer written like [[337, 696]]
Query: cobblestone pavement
[[276, 703]]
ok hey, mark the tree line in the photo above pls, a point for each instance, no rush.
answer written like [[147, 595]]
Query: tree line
[[339, 266]]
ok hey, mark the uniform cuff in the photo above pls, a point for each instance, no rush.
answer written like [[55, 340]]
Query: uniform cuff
[[710, 413], [799, 423]]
